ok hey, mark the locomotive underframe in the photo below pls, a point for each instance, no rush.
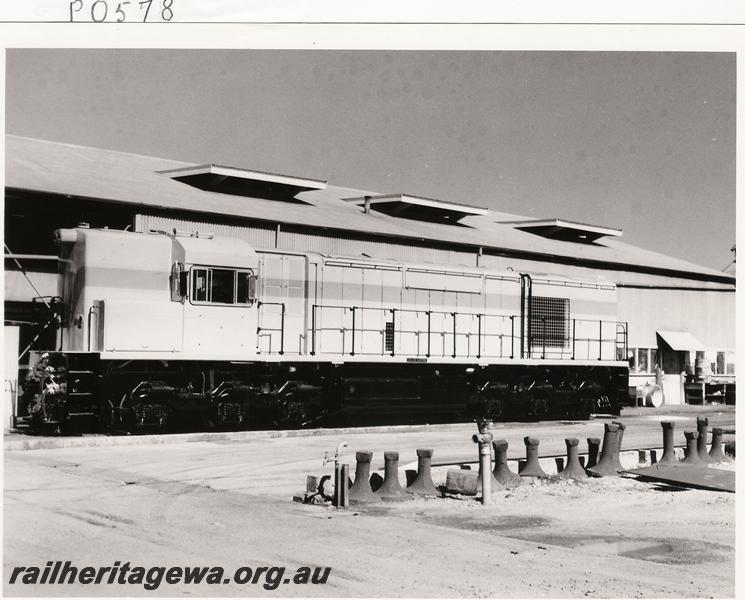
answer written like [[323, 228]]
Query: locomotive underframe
[[153, 395]]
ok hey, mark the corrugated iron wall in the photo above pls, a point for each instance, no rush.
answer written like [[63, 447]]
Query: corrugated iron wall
[[338, 245], [256, 236], [709, 316], [326, 244]]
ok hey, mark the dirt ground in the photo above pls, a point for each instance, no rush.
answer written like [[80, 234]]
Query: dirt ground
[[230, 504]]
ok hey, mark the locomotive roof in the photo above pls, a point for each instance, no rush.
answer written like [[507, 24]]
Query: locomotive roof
[[80, 171]]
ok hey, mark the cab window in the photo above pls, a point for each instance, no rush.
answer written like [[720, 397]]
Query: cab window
[[223, 286], [199, 285]]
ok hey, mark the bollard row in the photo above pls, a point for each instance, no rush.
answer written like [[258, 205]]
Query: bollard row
[[602, 461], [696, 445], [391, 488]]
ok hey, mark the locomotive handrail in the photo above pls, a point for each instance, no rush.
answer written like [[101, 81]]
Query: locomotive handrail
[[91, 310], [281, 327], [355, 329], [570, 341]]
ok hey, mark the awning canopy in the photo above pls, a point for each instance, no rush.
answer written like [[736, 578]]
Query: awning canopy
[[680, 340]]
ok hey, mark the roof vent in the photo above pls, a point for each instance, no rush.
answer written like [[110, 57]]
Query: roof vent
[[563, 230], [240, 182], [416, 208]]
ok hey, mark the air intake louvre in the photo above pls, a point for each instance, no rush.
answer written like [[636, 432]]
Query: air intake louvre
[[550, 322]]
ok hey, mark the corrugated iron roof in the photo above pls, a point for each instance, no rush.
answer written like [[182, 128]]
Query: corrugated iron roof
[[59, 168], [598, 230]]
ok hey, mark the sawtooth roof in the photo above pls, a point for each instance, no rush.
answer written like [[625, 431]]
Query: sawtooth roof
[[80, 171]]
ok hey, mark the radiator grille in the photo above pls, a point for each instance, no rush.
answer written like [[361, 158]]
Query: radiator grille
[[549, 323], [389, 339]]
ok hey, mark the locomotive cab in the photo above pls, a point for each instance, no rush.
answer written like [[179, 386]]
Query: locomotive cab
[[158, 296]]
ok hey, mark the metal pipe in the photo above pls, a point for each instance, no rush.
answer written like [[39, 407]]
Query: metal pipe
[[313, 329], [478, 348], [512, 336], [485, 470], [484, 440], [574, 337], [429, 333], [393, 322], [354, 325], [454, 334], [341, 480], [90, 314], [50, 257]]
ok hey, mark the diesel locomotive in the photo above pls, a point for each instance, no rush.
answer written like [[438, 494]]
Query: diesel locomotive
[[173, 330]]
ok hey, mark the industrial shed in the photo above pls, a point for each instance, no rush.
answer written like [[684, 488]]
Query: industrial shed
[[680, 315]]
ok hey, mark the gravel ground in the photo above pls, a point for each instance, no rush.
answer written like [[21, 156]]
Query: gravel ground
[[228, 503]]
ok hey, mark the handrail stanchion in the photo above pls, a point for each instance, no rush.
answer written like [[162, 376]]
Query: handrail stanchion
[[282, 331], [478, 347], [313, 329], [512, 336], [454, 334], [600, 341], [429, 333], [353, 328], [393, 322], [574, 337]]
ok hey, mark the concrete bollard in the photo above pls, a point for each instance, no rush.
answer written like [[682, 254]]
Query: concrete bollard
[[502, 472], [391, 488], [423, 484], [702, 424], [532, 467], [617, 455], [668, 444], [593, 448], [573, 469], [361, 490], [716, 453], [692, 457], [607, 464]]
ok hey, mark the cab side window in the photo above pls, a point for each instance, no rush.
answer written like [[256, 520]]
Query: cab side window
[[222, 286], [199, 285]]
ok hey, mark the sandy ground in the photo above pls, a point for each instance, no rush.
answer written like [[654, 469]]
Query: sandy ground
[[229, 504]]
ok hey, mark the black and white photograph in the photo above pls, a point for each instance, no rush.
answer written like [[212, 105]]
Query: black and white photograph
[[370, 322]]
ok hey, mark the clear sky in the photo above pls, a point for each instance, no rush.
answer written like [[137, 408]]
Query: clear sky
[[644, 142]]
